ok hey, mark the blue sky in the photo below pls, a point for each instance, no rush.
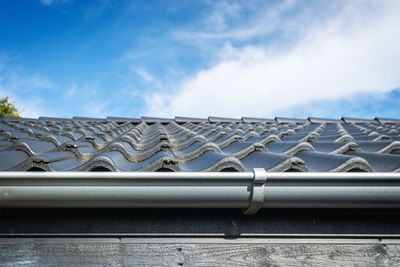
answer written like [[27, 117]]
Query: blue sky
[[65, 58]]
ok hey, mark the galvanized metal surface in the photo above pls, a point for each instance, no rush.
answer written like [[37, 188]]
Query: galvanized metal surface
[[199, 190]]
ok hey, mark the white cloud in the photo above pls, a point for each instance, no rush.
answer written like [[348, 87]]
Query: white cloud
[[28, 108], [30, 82], [223, 11], [52, 2], [129, 91], [98, 109], [23, 89], [72, 90], [226, 22], [352, 51], [14, 77], [47, 2], [143, 74]]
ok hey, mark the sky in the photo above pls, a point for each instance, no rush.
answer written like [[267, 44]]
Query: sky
[[288, 58]]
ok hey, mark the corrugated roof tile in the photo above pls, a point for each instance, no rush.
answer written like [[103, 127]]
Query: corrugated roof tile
[[190, 144]]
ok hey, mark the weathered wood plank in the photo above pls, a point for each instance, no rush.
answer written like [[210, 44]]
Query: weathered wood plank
[[198, 252]]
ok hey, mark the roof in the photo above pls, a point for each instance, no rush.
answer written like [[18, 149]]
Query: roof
[[196, 145]]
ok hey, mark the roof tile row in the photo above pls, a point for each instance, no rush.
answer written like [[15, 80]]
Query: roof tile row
[[189, 144]]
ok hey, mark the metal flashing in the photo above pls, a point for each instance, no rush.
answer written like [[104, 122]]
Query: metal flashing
[[179, 119], [123, 119], [87, 119], [222, 119], [387, 120], [357, 120], [17, 119], [155, 119], [289, 120], [53, 119], [323, 120], [255, 120]]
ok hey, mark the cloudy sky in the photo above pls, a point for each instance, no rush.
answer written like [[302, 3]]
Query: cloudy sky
[[65, 58]]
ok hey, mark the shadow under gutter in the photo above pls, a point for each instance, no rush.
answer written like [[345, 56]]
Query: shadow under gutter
[[250, 191]]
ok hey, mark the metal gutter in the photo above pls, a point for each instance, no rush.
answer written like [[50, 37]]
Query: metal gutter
[[247, 190]]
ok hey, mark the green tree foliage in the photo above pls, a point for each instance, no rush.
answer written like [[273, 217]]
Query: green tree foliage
[[7, 109]]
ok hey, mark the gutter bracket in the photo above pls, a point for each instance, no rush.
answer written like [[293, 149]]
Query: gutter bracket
[[257, 191]]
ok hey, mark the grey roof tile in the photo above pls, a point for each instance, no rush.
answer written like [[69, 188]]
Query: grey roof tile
[[117, 161], [10, 159], [190, 144], [56, 156], [65, 164], [379, 147], [212, 161], [335, 147], [273, 162], [380, 162], [289, 147], [195, 150], [242, 149], [325, 162]]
